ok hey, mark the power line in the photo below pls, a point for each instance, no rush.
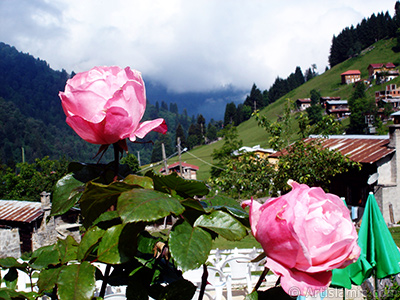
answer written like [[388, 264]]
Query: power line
[[205, 161]]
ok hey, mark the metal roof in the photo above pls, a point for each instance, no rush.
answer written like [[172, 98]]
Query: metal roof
[[20, 211], [359, 148]]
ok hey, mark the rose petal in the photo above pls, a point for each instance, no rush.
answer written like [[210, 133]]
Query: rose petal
[[296, 283], [157, 125]]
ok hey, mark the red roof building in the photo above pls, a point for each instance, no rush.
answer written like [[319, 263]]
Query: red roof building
[[303, 104], [188, 171], [373, 69], [351, 76]]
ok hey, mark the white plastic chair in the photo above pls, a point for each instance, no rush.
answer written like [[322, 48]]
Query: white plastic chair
[[115, 297], [216, 279], [239, 270]]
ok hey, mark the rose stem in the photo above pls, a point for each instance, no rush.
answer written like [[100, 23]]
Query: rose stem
[[108, 267]]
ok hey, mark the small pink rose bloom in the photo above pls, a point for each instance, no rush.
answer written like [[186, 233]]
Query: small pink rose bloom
[[305, 234], [105, 105]]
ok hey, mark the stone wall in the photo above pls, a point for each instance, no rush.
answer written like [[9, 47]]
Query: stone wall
[[9, 243]]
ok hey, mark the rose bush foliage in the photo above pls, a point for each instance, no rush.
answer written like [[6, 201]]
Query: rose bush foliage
[[106, 104], [305, 234]]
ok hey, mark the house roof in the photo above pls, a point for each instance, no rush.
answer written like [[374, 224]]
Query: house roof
[[336, 102], [255, 148], [378, 66], [304, 100], [20, 211], [184, 165], [352, 72], [360, 148], [330, 98]]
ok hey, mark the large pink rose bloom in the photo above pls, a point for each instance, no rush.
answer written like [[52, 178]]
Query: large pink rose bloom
[[105, 105], [305, 234]]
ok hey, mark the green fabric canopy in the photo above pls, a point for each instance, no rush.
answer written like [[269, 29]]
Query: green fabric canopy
[[379, 254]]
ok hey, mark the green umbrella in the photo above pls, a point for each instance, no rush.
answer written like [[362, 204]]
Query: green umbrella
[[377, 245], [379, 254]]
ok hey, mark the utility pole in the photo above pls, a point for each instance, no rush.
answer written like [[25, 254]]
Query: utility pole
[[23, 154], [179, 153], [164, 158], [138, 157]]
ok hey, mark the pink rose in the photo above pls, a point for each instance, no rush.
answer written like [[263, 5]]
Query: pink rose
[[105, 105], [305, 234]]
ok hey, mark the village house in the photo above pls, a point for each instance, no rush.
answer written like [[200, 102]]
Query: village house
[[323, 100], [351, 76], [185, 170], [338, 108], [303, 104], [259, 152], [391, 94], [382, 72], [26, 226]]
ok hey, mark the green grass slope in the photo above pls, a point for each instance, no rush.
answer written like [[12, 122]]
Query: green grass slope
[[328, 84]]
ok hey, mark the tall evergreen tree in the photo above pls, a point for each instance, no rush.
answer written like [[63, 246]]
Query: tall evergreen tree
[[255, 99], [360, 106], [230, 114], [314, 112], [181, 134]]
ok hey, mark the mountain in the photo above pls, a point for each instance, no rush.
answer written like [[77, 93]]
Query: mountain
[[31, 117], [328, 84], [210, 104]]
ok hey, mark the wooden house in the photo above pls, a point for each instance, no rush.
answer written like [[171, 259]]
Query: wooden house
[[391, 94], [338, 108], [303, 104], [183, 169], [351, 76], [34, 225], [386, 71]]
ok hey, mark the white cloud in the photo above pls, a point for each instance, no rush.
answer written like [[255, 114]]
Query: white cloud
[[186, 45]]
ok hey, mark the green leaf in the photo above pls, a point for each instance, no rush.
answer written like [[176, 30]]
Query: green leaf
[[183, 187], [88, 242], [67, 249], [98, 198], [44, 257], [144, 182], [48, 279], [194, 204], [189, 246], [6, 294], [231, 205], [100, 172], [11, 278], [252, 296], [146, 242], [223, 224], [146, 205], [107, 219], [66, 194], [108, 248], [76, 282], [9, 262], [119, 243], [179, 290]]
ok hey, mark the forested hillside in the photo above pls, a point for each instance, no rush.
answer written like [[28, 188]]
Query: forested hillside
[[352, 40], [32, 119]]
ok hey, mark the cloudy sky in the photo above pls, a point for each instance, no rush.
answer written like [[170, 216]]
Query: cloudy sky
[[187, 45]]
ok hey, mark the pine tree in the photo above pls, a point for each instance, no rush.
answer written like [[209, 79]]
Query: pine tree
[[181, 134]]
